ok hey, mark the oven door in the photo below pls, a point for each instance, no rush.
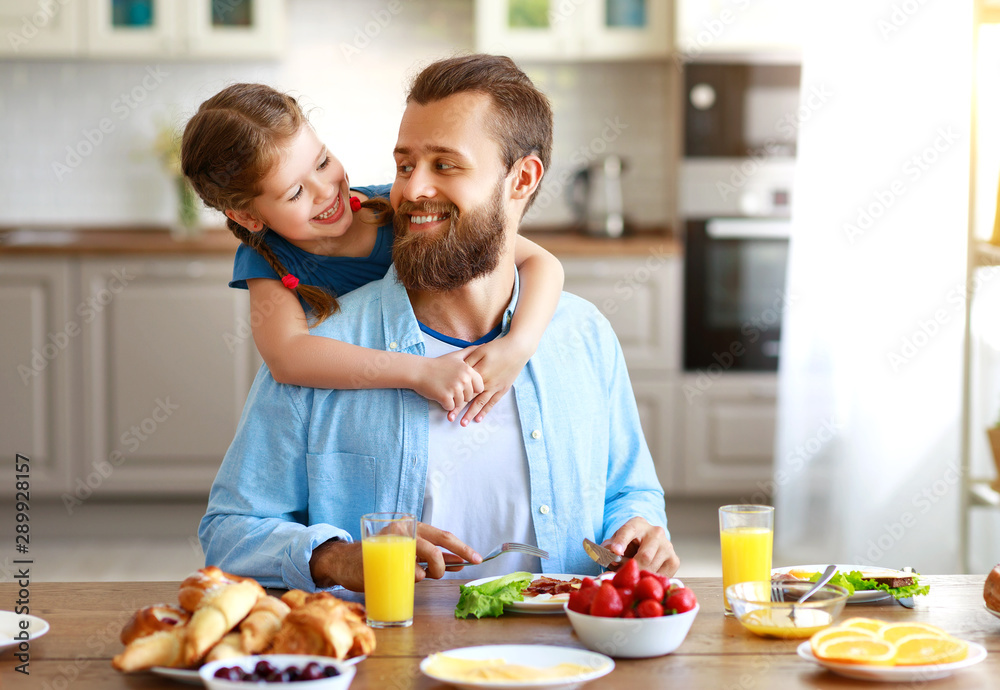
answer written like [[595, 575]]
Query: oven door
[[734, 293]]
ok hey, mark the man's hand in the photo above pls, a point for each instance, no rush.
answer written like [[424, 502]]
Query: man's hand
[[340, 562], [428, 540], [647, 544]]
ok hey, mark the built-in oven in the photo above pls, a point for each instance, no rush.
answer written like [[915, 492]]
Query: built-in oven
[[734, 292]]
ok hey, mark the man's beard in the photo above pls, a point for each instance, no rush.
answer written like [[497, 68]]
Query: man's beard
[[470, 247]]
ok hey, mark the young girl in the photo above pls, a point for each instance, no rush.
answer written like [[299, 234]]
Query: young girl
[[307, 238]]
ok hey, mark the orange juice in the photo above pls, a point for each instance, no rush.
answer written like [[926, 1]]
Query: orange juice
[[746, 555], [389, 561]]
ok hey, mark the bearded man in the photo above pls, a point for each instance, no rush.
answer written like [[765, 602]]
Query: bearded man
[[560, 459]]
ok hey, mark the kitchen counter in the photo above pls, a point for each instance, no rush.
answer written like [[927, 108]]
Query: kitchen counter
[[154, 241]]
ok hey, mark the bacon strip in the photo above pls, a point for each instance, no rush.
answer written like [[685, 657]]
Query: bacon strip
[[548, 585]]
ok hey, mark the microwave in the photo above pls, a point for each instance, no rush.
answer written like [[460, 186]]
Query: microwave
[[735, 110]]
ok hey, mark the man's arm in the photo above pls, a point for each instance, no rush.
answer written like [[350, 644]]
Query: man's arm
[[634, 512], [255, 524]]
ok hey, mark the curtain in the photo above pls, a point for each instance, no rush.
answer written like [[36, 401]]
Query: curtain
[[867, 453]]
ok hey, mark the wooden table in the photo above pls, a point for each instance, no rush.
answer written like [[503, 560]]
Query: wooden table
[[717, 654]]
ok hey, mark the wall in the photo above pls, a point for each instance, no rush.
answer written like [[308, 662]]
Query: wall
[[348, 68]]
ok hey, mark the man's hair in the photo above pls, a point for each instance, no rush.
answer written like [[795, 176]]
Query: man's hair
[[521, 117]]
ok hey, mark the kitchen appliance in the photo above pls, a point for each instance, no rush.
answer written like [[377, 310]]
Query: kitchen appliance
[[596, 197], [741, 109], [734, 292]]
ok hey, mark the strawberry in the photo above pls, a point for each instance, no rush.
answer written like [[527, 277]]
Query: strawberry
[[587, 583], [627, 575], [649, 608], [629, 613], [607, 602], [680, 600], [628, 597], [581, 599], [649, 588]]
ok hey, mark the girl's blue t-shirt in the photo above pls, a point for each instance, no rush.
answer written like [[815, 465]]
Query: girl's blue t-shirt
[[338, 274]]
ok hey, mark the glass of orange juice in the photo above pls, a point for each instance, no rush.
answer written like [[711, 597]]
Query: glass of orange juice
[[389, 555], [747, 535]]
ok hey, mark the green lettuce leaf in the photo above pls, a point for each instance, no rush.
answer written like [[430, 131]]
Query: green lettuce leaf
[[488, 599], [837, 579], [857, 579]]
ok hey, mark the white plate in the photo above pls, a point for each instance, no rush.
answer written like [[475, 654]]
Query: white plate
[[10, 628], [190, 675], [896, 674], [539, 655], [995, 613], [543, 603], [859, 596]]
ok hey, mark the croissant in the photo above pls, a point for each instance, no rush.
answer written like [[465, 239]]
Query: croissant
[[258, 629], [327, 626], [151, 619], [295, 598], [163, 648], [221, 609], [228, 647], [991, 589], [193, 588]]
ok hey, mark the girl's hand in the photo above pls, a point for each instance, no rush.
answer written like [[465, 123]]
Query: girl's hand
[[499, 361], [448, 380]]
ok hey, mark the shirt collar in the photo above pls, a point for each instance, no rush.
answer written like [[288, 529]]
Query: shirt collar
[[399, 323]]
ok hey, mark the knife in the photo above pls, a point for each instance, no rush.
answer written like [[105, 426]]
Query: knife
[[906, 601], [604, 557]]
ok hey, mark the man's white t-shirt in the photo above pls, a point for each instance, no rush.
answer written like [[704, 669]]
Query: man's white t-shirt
[[478, 485]]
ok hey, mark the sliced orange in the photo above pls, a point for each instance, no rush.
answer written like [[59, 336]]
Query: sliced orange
[[838, 633], [869, 624], [893, 632], [918, 650], [857, 650]]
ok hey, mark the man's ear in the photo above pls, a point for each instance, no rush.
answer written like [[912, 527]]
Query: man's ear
[[245, 219], [527, 176]]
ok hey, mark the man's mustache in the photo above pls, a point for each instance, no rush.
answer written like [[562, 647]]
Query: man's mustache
[[427, 208]]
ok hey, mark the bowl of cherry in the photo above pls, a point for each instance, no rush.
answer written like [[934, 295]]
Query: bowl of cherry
[[312, 672]]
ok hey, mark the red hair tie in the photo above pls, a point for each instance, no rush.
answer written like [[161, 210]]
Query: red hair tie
[[290, 281], [355, 204]]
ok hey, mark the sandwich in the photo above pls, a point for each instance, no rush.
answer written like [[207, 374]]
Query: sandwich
[[899, 584]]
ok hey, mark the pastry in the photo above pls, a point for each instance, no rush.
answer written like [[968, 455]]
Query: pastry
[[258, 629], [221, 609], [163, 648], [151, 619], [229, 647], [991, 590], [193, 588], [327, 626]]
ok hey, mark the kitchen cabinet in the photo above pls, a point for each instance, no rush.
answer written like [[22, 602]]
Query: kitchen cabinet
[[40, 29], [123, 375], [759, 29], [39, 337], [143, 29], [728, 427], [167, 364], [251, 29], [640, 296], [574, 29]]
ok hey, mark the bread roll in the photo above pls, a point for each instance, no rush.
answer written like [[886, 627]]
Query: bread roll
[[221, 609], [193, 588], [326, 626], [164, 648], [258, 629], [991, 591], [151, 619]]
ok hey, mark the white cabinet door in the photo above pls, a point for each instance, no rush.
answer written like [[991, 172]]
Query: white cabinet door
[[728, 428], [243, 28], [656, 398], [39, 348], [40, 29], [573, 29], [641, 297], [738, 27], [134, 28], [252, 29], [168, 363]]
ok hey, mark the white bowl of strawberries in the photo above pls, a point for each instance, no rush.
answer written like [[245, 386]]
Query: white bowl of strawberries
[[635, 614]]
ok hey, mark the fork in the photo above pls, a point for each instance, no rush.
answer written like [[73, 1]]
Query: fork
[[506, 547]]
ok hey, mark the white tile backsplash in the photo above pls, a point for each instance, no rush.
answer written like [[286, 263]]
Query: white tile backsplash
[[349, 62]]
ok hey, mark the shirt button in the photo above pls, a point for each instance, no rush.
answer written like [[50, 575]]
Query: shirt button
[[544, 510], [393, 345], [536, 434]]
